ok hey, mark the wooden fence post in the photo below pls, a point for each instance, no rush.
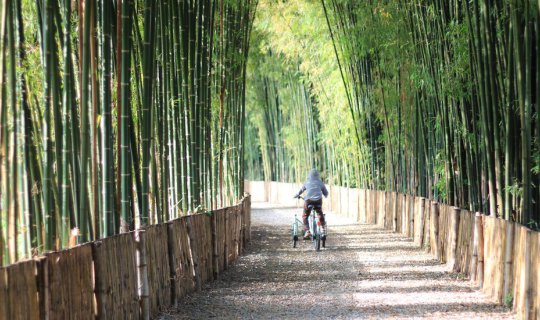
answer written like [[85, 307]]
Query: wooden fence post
[[240, 209], [142, 273], [193, 247], [394, 212], [474, 260], [427, 209], [364, 204], [236, 227], [4, 311], [172, 267], [215, 254], [422, 205], [385, 193], [226, 235], [410, 209], [435, 228], [43, 287], [403, 214], [508, 258], [526, 278], [454, 225], [248, 216], [479, 236], [100, 288], [358, 206]]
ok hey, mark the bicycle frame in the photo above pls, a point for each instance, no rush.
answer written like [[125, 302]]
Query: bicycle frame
[[314, 228], [314, 225]]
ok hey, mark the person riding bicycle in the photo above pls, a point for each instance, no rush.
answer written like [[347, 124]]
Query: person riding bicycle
[[315, 189]]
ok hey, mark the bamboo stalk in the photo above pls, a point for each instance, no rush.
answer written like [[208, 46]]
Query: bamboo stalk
[[126, 221], [13, 215], [65, 192], [84, 210], [95, 233], [3, 23], [48, 204], [4, 247], [148, 67], [107, 140]]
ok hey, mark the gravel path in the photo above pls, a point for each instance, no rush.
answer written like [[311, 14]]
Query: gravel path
[[364, 273]]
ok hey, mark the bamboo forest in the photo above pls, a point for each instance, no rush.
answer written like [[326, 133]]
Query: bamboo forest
[[431, 98], [116, 115]]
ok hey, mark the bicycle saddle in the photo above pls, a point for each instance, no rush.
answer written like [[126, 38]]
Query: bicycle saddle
[[311, 206]]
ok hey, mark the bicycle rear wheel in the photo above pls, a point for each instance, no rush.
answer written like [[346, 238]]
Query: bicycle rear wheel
[[317, 242]]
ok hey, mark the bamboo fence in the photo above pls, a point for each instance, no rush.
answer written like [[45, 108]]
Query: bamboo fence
[[104, 279], [500, 256], [115, 272], [18, 291], [70, 289]]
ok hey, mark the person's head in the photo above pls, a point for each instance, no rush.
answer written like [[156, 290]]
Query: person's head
[[314, 175]]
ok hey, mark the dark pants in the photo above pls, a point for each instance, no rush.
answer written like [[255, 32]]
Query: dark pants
[[320, 214]]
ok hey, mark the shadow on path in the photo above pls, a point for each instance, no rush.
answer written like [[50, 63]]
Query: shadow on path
[[364, 273]]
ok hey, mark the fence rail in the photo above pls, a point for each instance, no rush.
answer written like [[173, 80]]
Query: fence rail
[[500, 256], [104, 279]]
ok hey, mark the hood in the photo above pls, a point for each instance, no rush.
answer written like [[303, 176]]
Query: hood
[[314, 175]]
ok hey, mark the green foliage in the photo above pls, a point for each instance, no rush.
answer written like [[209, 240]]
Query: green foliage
[[515, 189], [536, 162], [457, 73], [532, 224], [508, 300]]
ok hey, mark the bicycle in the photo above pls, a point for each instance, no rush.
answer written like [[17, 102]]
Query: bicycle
[[317, 236]]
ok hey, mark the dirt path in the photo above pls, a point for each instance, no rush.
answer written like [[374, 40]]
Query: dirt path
[[364, 273]]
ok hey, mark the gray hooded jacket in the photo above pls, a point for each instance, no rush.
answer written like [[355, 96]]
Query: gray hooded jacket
[[314, 187]]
